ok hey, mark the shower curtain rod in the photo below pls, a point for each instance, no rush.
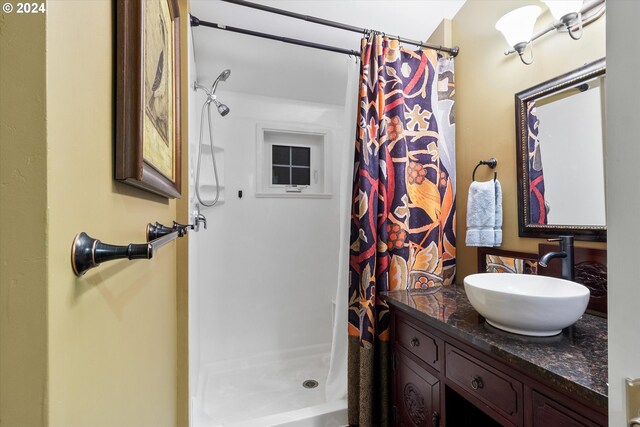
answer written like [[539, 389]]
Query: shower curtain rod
[[453, 51], [195, 22]]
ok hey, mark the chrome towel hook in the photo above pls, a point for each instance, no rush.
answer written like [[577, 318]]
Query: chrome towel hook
[[492, 163]]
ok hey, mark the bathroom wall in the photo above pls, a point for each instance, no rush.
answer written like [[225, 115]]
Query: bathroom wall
[[486, 82], [112, 333], [193, 127], [183, 210], [623, 202], [266, 266], [100, 350], [23, 213], [442, 34]]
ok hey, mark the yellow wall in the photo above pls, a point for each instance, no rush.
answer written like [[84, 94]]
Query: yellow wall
[[113, 333], [182, 216], [486, 82], [23, 220], [101, 350], [442, 34]]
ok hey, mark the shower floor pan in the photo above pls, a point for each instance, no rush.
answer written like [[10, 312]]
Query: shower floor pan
[[269, 392]]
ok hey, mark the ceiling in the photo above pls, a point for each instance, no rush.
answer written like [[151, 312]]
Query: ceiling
[[272, 68]]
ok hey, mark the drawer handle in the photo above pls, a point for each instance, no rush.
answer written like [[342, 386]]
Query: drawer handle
[[415, 342], [476, 383], [435, 419]]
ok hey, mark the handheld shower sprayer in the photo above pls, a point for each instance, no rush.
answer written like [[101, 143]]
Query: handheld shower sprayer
[[221, 78], [211, 94], [223, 110]]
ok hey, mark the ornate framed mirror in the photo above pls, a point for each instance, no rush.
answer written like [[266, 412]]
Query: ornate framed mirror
[[560, 127]]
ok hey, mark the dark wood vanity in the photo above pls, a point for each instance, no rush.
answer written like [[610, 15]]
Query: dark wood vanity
[[452, 369]]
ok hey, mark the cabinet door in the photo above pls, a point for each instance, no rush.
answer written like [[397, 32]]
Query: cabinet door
[[417, 395], [547, 412]]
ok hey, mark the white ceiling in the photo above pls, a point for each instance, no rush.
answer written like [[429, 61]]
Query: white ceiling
[[272, 68]]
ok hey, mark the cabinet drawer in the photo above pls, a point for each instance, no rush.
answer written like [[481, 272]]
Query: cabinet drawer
[[547, 412], [421, 344], [491, 387]]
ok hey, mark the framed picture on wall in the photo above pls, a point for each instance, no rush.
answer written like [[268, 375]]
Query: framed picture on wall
[[148, 146]]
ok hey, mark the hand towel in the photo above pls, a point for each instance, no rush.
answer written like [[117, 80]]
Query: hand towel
[[484, 214]]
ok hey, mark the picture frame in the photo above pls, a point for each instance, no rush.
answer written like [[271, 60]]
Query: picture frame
[[148, 81]]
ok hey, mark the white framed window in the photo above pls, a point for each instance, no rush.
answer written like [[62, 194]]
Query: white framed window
[[290, 165], [291, 161]]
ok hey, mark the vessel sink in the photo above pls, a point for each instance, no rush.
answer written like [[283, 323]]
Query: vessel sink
[[526, 304]]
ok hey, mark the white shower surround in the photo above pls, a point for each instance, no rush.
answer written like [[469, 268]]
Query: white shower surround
[[269, 263], [263, 275]]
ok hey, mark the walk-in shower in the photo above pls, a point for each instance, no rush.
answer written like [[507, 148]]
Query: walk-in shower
[[263, 276], [263, 279]]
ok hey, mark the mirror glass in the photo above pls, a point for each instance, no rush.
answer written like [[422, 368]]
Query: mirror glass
[[560, 156]]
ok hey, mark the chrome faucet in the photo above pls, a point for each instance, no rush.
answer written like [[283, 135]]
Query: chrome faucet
[[198, 218], [565, 253]]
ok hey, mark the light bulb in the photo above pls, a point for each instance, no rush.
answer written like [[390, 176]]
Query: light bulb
[[561, 8], [517, 25]]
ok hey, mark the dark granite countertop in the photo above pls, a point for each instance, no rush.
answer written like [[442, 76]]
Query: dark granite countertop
[[574, 361]]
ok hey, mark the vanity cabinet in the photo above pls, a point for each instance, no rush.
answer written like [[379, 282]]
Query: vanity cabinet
[[420, 393], [442, 380], [417, 363]]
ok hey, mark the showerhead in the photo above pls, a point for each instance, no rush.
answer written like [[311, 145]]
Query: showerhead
[[224, 75], [222, 108], [211, 97], [221, 78]]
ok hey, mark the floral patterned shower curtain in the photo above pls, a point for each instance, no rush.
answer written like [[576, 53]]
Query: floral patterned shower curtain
[[536, 174], [403, 211]]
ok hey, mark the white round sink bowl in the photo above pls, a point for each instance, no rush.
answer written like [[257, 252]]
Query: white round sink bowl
[[526, 304]]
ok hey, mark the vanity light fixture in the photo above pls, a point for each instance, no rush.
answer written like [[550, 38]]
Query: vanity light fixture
[[517, 28], [569, 16]]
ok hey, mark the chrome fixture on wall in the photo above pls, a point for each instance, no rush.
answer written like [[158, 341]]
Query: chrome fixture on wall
[[211, 94], [569, 16], [223, 110]]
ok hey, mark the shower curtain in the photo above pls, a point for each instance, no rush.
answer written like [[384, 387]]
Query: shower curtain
[[537, 202], [336, 386], [403, 205]]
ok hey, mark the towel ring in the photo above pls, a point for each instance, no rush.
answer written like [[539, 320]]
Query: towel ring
[[492, 163]]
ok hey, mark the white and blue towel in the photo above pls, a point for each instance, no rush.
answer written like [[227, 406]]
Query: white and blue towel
[[484, 214]]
